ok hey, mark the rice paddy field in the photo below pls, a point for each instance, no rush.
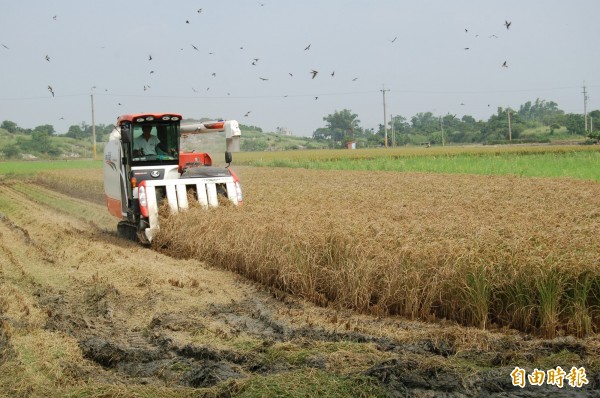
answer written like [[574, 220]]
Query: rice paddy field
[[486, 249], [510, 257]]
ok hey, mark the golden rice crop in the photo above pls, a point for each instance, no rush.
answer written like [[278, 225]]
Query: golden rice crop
[[407, 152], [485, 251]]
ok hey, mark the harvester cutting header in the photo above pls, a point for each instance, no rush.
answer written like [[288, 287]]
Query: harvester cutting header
[[144, 164]]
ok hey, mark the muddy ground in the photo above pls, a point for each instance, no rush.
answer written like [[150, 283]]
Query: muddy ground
[[140, 317]]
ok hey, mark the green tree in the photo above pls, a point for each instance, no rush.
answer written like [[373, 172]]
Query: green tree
[[594, 132], [75, 131], [574, 123], [9, 126], [342, 126], [40, 141], [542, 111], [497, 129], [253, 145], [425, 123], [12, 151]]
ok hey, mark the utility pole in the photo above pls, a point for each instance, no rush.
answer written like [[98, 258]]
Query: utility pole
[[509, 129], [393, 131], [442, 127], [383, 90], [585, 99], [93, 130]]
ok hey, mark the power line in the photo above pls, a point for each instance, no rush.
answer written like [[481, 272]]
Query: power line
[[324, 94]]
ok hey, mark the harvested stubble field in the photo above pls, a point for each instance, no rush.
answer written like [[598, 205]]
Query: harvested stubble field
[[371, 284]]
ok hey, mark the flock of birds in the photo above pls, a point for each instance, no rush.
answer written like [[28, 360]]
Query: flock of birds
[[313, 72]]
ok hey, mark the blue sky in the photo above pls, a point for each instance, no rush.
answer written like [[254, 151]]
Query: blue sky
[[415, 49]]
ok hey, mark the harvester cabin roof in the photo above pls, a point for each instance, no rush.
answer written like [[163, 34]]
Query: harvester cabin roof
[[140, 117]]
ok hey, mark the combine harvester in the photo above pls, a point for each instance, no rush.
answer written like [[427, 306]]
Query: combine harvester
[[145, 163]]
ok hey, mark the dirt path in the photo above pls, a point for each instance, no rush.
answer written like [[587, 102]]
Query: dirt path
[[138, 317]]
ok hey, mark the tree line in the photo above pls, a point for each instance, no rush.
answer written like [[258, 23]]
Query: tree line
[[537, 121], [41, 141], [541, 119], [44, 141]]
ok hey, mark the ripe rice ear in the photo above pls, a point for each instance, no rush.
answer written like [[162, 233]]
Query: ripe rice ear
[[550, 287], [578, 302], [476, 293]]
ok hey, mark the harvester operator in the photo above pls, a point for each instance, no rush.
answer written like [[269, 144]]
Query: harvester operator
[[146, 143]]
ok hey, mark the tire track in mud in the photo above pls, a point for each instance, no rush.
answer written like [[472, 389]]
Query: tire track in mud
[[141, 317]]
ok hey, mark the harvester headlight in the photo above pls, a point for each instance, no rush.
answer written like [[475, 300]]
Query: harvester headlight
[[174, 118], [238, 190], [139, 119], [142, 197], [166, 118], [149, 118]]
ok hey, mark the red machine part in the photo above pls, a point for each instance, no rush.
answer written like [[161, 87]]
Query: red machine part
[[193, 159]]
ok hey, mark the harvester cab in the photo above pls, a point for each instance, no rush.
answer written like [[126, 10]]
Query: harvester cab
[[146, 163]]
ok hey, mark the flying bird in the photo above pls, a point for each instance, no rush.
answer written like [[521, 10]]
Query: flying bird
[[54, 17], [314, 73], [394, 39], [61, 118], [355, 79], [466, 48], [214, 74], [199, 10], [332, 73], [507, 24], [466, 30], [307, 47], [263, 79], [5, 46], [290, 74], [316, 98], [247, 113], [47, 58], [149, 57], [493, 36], [51, 90], [187, 21], [195, 48], [504, 65]]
